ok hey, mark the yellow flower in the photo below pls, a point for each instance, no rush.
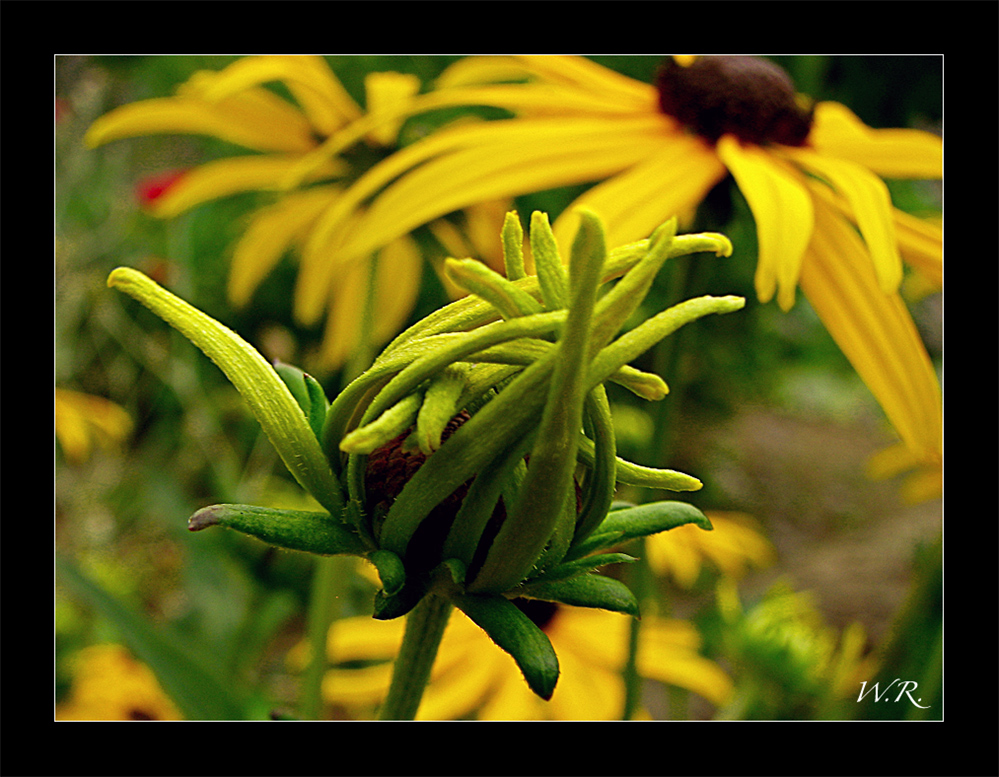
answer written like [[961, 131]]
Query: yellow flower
[[83, 420], [810, 174], [110, 684], [233, 105], [735, 545], [472, 678]]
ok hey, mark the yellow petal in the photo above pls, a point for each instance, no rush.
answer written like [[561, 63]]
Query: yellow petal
[[271, 232], [254, 119], [874, 330], [225, 177], [388, 92], [921, 244], [782, 209], [310, 80], [869, 206], [633, 203], [890, 153]]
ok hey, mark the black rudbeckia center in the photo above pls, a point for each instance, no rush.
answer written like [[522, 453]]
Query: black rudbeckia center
[[748, 97]]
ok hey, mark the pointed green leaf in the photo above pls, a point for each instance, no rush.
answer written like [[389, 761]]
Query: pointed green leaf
[[509, 299], [311, 532], [270, 400], [513, 247], [307, 392], [571, 568], [586, 590], [517, 634]]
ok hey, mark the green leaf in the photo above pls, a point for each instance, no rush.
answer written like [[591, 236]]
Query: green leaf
[[198, 691], [518, 635], [631, 522], [311, 532], [269, 399], [586, 590], [568, 569], [307, 392]]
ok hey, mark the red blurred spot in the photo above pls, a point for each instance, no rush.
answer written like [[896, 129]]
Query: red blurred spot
[[150, 189]]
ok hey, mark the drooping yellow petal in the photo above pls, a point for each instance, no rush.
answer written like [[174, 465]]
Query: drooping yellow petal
[[662, 658], [633, 203], [310, 80], [271, 232], [890, 153], [782, 209], [467, 164], [869, 206], [255, 119], [874, 330], [224, 177], [81, 420]]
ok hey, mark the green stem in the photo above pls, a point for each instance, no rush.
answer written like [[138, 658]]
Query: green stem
[[424, 630], [320, 618]]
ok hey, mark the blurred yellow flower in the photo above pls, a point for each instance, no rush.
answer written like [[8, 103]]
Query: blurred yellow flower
[[471, 678], [735, 545], [297, 161], [811, 175], [110, 684], [83, 421]]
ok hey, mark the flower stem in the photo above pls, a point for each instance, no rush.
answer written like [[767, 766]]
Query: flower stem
[[321, 615], [424, 629]]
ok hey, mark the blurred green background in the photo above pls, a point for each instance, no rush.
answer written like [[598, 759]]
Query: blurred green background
[[771, 416]]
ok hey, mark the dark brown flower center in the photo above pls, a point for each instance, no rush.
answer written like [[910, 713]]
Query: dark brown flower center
[[748, 97]]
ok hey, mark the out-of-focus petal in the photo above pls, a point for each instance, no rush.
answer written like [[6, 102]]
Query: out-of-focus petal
[[388, 92], [671, 182], [669, 658], [225, 177], [874, 330], [921, 244], [782, 209], [271, 232], [255, 119], [869, 206], [310, 80], [890, 153]]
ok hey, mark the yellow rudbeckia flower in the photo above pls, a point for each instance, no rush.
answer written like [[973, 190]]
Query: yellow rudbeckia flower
[[234, 105], [472, 679], [812, 176], [83, 421]]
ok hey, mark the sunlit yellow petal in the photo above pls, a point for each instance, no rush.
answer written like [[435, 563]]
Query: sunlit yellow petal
[[584, 691], [672, 181], [782, 210], [869, 205], [890, 153], [684, 668], [398, 270], [310, 80], [225, 177], [511, 699], [83, 420], [364, 639], [271, 231], [874, 330]]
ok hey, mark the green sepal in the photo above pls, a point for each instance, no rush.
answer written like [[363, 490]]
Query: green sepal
[[391, 571], [585, 590], [641, 521], [390, 606], [308, 392], [568, 569], [518, 635], [311, 532]]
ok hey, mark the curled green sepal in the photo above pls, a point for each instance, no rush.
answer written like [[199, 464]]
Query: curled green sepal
[[391, 571], [641, 521], [269, 399], [586, 590], [567, 569], [518, 635], [311, 532]]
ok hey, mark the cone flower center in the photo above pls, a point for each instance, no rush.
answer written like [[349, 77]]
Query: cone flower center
[[748, 97]]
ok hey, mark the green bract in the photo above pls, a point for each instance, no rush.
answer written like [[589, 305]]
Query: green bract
[[498, 401]]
